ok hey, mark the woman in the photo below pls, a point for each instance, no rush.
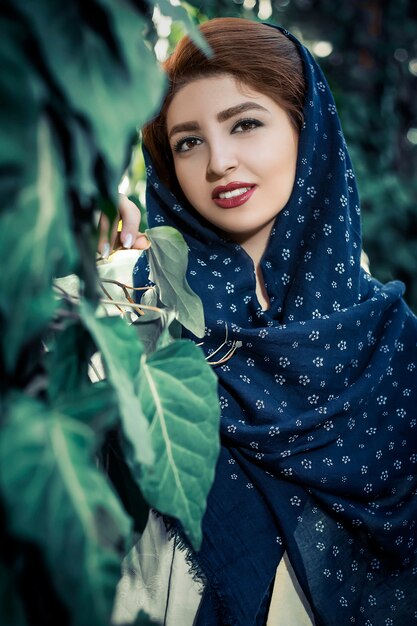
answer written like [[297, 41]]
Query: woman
[[247, 159]]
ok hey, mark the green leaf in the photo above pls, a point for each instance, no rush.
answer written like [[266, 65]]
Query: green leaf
[[66, 361], [150, 327], [156, 328], [121, 352], [58, 499], [168, 258], [84, 158], [35, 239], [99, 59], [95, 406], [178, 390]]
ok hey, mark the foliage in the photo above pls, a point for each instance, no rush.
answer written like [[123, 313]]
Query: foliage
[[80, 463], [57, 498], [77, 80]]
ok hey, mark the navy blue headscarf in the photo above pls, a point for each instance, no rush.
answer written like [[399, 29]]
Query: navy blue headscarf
[[319, 417]]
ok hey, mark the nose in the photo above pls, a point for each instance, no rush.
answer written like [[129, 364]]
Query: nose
[[222, 159]]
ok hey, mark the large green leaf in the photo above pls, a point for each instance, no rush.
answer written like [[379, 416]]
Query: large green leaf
[[58, 499], [121, 352], [156, 328], [66, 361], [178, 391], [98, 56], [95, 405], [69, 388], [168, 259], [84, 155], [35, 239], [151, 327]]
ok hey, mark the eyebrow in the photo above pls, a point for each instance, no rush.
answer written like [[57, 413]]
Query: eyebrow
[[223, 116]]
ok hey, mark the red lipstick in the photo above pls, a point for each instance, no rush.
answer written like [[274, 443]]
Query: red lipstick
[[234, 201]]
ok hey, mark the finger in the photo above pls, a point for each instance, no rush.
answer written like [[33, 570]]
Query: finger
[[103, 245], [114, 234], [130, 215], [141, 242]]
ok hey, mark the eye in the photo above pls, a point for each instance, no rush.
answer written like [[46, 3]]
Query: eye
[[244, 126], [186, 144]]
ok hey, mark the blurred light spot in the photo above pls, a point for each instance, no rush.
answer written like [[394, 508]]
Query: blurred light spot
[[412, 136], [124, 185], [265, 9], [164, 26], [322, 48], [249, 4], [412, 66], [162, 23], [161, 49], [401, 55], [175, 3]]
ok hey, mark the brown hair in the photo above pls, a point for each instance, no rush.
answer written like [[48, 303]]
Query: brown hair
[[257, 55]]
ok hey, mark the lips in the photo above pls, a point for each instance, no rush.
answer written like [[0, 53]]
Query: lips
[[240, 193]]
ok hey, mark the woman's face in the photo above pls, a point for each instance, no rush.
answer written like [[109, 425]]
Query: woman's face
[[235, 153]]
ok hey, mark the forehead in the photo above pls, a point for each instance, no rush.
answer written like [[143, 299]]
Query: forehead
[[210, 95]]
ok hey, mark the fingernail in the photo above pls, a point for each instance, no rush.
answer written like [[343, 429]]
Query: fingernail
[[128, 240], [105, 251]]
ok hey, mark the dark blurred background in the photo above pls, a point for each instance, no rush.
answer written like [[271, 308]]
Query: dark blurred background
[[368, 51]]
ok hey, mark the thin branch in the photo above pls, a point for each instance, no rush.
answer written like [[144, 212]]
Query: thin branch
[[129, 305], [62, 290], [102, 287], [132, 306], [116, 282], [121, 285]]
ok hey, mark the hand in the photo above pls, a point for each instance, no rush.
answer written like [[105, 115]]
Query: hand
[[129, 237]]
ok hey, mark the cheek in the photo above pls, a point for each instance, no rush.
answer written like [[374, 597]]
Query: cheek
[[278, 152], [190, 179], [185, 184], [286, 163], [183, 169]]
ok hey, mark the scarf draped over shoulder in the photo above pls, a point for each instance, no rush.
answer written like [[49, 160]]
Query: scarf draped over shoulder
[[319, 418]]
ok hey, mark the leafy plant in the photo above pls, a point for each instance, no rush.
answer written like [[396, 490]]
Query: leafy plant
[[81, 462]]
